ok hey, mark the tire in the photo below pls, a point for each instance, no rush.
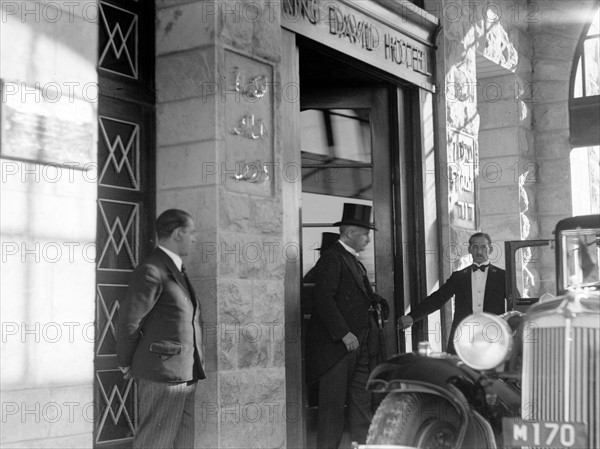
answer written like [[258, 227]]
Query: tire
[[415, 419]]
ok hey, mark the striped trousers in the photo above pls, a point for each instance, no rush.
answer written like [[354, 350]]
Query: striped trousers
[[166, 415]]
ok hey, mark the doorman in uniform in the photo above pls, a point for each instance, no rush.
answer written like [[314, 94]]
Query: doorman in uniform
[[478, 288]]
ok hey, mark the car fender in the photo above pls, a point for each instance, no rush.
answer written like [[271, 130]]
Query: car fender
[[439, 371], [468, 390]]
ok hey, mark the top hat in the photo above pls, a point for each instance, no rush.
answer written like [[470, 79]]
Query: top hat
[[356, 215], [328, 239]]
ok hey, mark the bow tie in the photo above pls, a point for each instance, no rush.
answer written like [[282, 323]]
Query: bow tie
[[481, 267]]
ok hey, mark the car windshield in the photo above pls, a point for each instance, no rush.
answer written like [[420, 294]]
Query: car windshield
[[580, 248]]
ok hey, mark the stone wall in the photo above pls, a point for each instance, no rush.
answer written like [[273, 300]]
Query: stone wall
[[505, 133], [218, 146], [48, 222], [503, 76], [483, 80], [555, 37]]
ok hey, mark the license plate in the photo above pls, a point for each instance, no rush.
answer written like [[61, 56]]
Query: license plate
[[551, 434]]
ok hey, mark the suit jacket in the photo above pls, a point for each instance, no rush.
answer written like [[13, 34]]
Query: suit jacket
[[341, 305], [159, 326], [459, 286]]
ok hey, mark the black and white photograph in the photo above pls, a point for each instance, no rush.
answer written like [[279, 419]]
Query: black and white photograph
[[300, 224]]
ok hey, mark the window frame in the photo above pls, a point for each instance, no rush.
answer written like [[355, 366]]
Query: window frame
[[584, 112]]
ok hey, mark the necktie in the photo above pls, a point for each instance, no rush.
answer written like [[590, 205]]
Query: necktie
[[363, 272], [188, 284], [481, 267], [361, 268]]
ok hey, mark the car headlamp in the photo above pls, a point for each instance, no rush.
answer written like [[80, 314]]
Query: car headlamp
[[483, 341]]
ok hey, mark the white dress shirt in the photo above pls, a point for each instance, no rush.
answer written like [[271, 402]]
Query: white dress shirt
[[349, 249], [176, 259], [478, 280]]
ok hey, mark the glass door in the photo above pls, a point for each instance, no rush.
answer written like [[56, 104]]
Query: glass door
[[337, 167]]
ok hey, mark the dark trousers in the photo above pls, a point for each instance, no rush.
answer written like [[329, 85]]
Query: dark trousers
[[344, 384], [166, 415]]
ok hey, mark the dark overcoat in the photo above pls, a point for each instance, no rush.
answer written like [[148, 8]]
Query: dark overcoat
[[159, 324], [459, 286], [341, 305]]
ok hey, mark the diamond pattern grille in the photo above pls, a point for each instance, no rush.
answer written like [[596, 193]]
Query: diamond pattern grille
[[126, 197], [118, 41], [107, 303], [119, 244], [117, 412], [119, 154]]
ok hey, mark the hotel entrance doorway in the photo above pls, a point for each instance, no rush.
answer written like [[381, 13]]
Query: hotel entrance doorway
[[346, 150]]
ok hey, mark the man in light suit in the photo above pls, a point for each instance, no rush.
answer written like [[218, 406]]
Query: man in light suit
[[477, 288], [337, 340], [159, 340]]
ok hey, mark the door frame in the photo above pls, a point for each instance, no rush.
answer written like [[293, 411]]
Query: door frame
[[376, 99], [406, 113], [126, 111]]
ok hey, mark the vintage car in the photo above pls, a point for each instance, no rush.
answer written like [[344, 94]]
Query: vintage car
[[527, 379]]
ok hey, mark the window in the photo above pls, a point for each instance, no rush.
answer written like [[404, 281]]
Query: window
[[587, 77], [584, 114], [585, 180]]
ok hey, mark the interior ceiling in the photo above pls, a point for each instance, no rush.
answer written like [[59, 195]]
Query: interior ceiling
[[320, 67]]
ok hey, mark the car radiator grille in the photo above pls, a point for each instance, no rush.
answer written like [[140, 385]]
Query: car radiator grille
[[560, 372]]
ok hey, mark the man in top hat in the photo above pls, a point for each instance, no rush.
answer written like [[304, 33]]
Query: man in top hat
[[337, 340], [478, 288], [327, 239], [306, 304]]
